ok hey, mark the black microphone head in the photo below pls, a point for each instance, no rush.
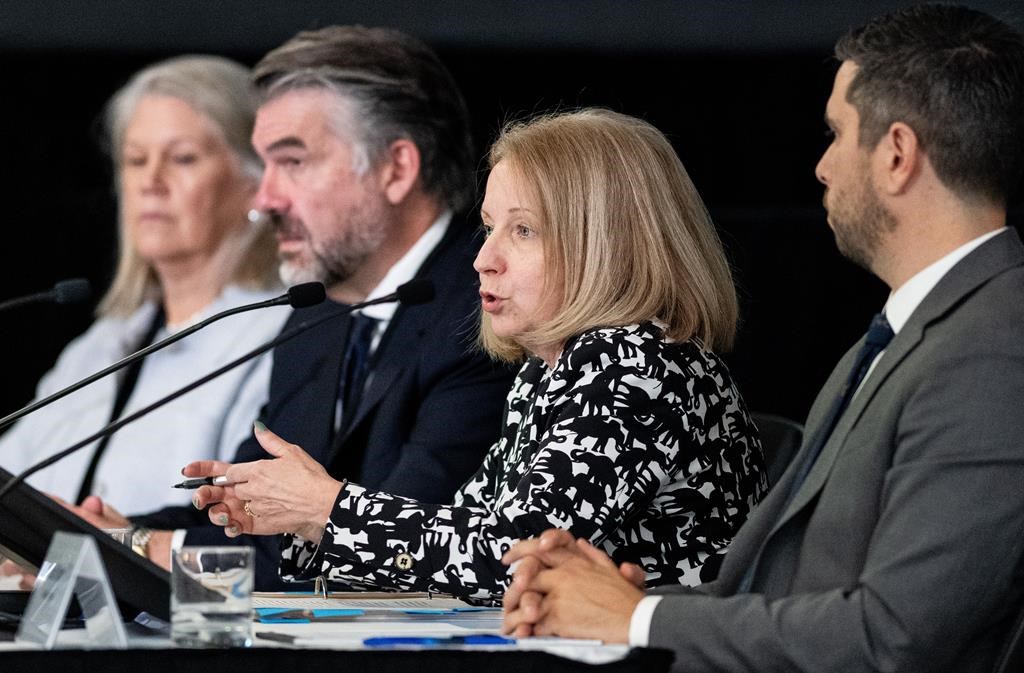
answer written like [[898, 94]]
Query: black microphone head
[[306, 294], [72, 291], [418, 291]]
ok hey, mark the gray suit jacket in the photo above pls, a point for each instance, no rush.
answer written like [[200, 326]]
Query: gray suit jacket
[[903, 549]]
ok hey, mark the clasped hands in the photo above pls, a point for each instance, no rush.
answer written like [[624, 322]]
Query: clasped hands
[[567, 587], [291, 493]]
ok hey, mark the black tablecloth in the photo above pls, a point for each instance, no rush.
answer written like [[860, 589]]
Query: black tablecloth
[[283, 660]]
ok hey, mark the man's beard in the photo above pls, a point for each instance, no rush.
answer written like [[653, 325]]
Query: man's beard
[[336, 258], [858, 221]]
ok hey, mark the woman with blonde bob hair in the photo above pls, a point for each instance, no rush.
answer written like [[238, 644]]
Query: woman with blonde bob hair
[[178, 135], [629, 237], [602, 270]]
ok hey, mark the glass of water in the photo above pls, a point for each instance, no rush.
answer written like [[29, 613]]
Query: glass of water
[[211, 596]]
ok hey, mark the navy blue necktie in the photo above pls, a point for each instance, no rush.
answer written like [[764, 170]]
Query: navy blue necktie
[[878, 337], [354, 363]]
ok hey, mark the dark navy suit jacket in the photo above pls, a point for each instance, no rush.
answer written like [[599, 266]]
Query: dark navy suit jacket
[[429, 412]]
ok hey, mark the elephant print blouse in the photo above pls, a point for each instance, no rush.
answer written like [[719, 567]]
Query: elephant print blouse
[[638, 443]]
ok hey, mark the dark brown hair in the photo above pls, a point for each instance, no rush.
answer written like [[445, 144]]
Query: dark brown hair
[[955, 76]]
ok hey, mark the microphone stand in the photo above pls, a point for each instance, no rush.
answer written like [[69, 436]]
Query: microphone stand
[[401, 295], [127, 360], [28, 299]]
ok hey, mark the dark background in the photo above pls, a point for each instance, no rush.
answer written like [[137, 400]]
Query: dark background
[[739, 87]]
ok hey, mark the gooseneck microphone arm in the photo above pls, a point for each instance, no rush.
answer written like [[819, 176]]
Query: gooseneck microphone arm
[[298, 296], [413, 292]]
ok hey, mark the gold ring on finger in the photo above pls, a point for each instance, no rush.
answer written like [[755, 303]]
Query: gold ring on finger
[[248, 510]]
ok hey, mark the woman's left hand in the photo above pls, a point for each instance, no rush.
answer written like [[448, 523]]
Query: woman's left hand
[[292, 493]]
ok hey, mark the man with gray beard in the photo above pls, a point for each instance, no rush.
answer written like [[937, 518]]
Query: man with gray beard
[[368, 162]]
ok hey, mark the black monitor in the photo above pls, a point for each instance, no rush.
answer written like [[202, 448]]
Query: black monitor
[[28, 520]]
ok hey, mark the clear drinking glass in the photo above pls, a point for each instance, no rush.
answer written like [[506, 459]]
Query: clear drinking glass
[[211, 596]]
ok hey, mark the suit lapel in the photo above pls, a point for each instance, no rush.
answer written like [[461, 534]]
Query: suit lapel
[[982, 264], [897, 351], [320, 382]]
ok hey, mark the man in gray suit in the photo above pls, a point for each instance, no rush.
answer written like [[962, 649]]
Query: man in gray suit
[[894, 542]]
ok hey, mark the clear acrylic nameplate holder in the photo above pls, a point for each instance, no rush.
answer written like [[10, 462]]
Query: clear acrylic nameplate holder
[[72, 567]]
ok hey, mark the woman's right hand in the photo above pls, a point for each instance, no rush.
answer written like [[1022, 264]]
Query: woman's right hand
[[292, 493], [222, 497]]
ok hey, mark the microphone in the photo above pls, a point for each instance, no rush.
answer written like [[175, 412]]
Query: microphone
[[416, 291], [297, 296], [69, 291], [419, 291], [302, 295]]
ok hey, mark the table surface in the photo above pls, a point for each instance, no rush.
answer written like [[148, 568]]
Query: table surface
[[330, 643]]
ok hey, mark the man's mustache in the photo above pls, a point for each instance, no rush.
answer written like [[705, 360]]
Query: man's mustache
[[288, 227]]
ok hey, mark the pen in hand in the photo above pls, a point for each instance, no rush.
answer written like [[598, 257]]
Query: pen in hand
[[219, 480]]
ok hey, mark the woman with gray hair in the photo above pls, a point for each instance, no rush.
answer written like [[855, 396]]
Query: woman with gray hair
[[178, 134]]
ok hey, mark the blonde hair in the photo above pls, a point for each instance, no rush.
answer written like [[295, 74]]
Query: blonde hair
[[626, 235], [219, 89]]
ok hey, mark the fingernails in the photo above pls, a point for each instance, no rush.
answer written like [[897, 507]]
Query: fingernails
[[259, 426], [232, 531], [222, 519], [195, 501]]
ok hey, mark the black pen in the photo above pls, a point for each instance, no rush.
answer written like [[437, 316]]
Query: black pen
[[219, 480], [277, 637]]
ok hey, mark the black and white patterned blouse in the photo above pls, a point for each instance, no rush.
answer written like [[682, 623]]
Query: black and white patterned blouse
[[639, 444]]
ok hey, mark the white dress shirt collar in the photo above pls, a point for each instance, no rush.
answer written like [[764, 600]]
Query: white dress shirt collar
[[405, 269], [902, 303]]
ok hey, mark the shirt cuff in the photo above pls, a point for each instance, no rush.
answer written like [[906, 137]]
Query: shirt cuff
[[640, 622]]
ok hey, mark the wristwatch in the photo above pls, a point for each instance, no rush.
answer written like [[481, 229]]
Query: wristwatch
[[140, 541]]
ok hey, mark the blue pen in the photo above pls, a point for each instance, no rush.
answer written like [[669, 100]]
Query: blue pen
[[399, 641]]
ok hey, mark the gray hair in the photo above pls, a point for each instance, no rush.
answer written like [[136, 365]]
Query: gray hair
[[352, 118], [216, 87], [395, 87], [220, 90]]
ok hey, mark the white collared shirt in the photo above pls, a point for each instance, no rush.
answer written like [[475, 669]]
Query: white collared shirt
[[898, 308], [906, 298], [903, 301], [402, 272]]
